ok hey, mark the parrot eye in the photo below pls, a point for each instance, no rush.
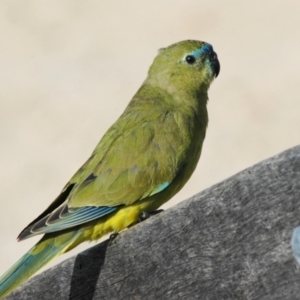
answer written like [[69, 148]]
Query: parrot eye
[[190, 59]]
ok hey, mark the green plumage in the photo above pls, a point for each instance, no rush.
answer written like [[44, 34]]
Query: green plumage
[[145, 158]]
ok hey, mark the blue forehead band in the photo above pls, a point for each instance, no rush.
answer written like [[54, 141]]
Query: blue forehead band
[[205, 49]]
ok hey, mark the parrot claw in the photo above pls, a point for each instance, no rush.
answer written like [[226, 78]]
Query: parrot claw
[[146, 215], [112, 238]]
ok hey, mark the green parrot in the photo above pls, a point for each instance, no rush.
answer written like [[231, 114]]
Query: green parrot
[[143, 160]]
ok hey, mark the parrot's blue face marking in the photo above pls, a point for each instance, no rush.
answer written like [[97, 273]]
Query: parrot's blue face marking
[[191, 57], [160, 188], [204, 50], [205, 55]]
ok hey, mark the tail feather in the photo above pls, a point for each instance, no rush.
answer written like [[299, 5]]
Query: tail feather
[[50, 246]]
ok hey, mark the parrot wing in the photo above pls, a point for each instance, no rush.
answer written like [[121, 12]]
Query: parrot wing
[[134, 160]]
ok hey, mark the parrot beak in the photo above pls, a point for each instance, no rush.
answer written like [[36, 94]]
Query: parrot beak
[[215, 64]]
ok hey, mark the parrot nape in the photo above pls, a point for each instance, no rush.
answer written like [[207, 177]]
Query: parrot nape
[[143, 159]]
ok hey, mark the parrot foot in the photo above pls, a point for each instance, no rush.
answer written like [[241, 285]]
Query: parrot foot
[[112, 238], [146, 215]]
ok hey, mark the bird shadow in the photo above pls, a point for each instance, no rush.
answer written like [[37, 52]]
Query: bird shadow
[[86, 271]]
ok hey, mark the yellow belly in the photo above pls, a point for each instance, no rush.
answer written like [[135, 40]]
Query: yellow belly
[[123, 218], [115, 222]]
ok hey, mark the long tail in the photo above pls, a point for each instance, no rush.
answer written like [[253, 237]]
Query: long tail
[[50, 246]]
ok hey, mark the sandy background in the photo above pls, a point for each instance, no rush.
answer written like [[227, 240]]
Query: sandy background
[[69, 68]]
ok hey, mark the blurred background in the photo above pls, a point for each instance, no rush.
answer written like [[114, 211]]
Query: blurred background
[[69, 68]]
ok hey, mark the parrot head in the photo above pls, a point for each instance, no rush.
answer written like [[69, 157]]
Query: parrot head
[[188, 65]]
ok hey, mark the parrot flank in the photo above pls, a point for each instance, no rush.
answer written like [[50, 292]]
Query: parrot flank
[[143, 160]]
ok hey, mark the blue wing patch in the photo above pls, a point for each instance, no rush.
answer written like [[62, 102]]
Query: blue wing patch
[[63, 219], [160, 188]]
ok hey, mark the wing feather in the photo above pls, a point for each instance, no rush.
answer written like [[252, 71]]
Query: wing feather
[[139, 156]]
